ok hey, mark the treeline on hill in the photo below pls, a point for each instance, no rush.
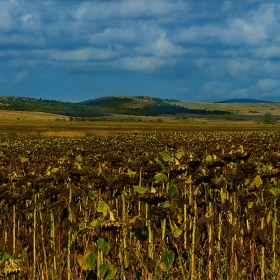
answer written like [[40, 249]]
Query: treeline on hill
[[145, 106], [49, 106], [140, 105]]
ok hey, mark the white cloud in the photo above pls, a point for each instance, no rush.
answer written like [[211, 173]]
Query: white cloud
[[164, 48], [267, 89], [143, 64], [264, 89], [236, 67], [20, 76], [122, 34], [237, 32], [117, 33], [214, 91], [242, 31], [250, 92], [268, 84], [160, 46], [26, 18], [267, 52], [182, 90], [226, 5], [242, 93], [242, 67], [216, 42], [252, 28], [89, 11], [6, 22], [80, 55]]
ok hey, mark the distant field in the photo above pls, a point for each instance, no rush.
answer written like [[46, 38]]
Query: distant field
[[33, 123], [244, 109]]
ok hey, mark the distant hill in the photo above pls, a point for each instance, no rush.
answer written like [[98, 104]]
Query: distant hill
[[14, 103], [145, 106], [245, 100], [102, 107]]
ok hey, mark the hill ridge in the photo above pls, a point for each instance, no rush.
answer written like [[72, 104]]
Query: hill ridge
[[245, 100], [104, 106]]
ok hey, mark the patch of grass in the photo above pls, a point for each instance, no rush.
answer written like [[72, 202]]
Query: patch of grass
[[12, 134], [268, 118], [89, 134]]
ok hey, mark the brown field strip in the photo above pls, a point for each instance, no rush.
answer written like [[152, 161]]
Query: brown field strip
[[34, 123]]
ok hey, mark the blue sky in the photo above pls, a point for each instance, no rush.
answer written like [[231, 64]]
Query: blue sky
[[196, 50]]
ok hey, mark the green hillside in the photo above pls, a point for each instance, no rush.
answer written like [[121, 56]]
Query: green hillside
[[49, 106], [144, 106], [133, 105]]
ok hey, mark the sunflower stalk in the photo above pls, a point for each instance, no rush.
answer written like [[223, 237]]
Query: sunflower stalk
[[262, 246], [124, 220], [193, 259], [69, 236], [275, 192], [222, 197], [34, 237], [53, 243], [274, 225], [163, 228], [185, 219], [123, 242], [211, 240], [233, 240], [14, 229], [150, 240], [46, 273]]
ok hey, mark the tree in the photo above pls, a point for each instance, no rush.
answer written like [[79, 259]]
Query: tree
[[269, 118]]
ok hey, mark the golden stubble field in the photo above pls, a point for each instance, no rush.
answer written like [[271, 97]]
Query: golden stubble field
[[36, 123], [244, 109]]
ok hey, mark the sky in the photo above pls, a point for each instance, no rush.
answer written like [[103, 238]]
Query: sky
[[195, 50]]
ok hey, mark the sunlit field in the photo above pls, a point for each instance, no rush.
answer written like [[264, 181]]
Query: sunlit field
[[138, 198], [33, 123], [200, 205]]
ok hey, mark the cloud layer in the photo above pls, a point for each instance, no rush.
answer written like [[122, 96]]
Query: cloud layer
[[206, 50]]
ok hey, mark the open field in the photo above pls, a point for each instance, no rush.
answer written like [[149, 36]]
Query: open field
[[160, 198], [141, 206], [244, 109], [35, 123]]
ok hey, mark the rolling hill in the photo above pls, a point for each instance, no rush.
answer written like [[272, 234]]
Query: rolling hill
[[101, 107]]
